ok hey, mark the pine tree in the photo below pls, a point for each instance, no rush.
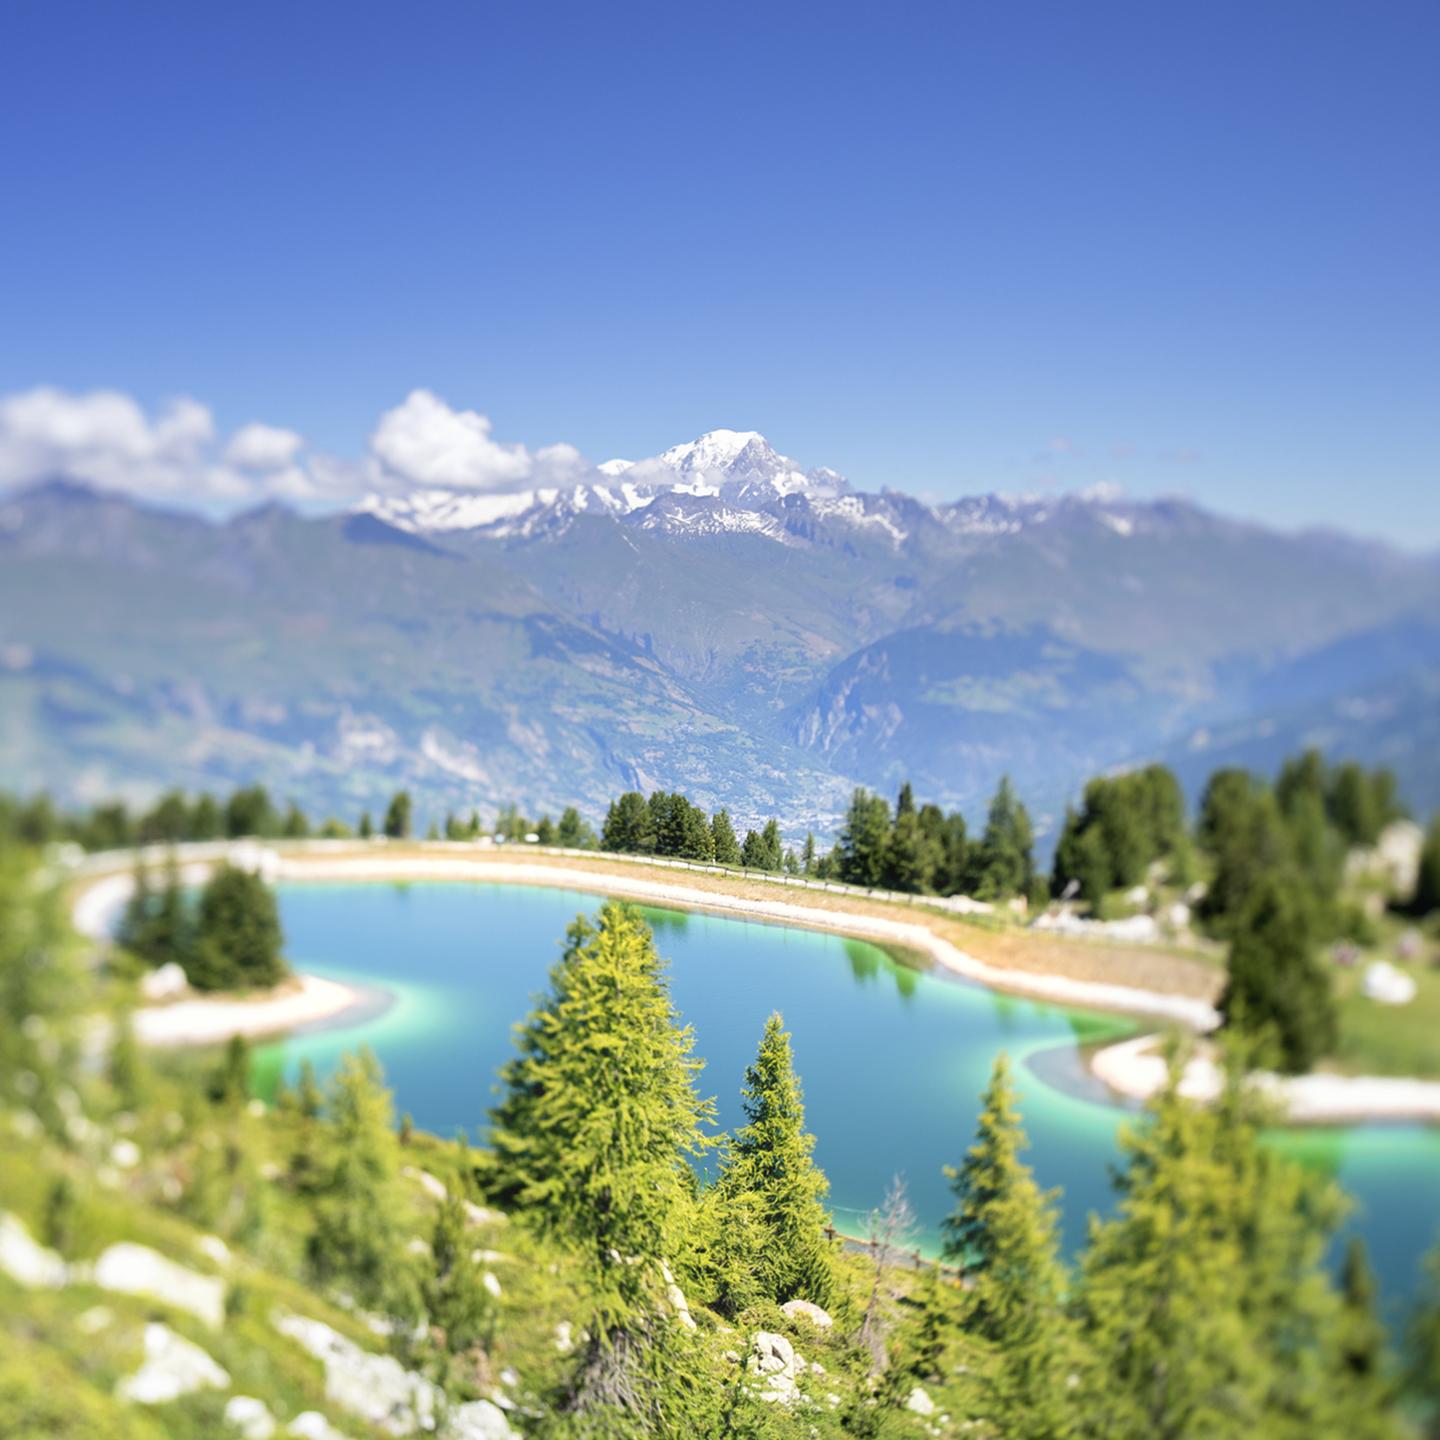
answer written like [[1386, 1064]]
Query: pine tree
[[1005, 864], [366, 828], [864, 839], [249, 812], [455, 1296], [1004, 1235], [807, 854], [1362, 1336], [771, 1158], [774, 847], [628, 828], [238, 935], [909, 861], [1161, 1298], [1423, 1337], [724, 843], [1242, 829], [1277, 986], [592, 1137], [356, 1245], [1427, 880], [397, 816], [295, 825], [572, 832]]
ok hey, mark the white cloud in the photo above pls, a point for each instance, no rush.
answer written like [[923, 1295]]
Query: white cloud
[[103, 437], [424, 442], [107, 439], [258, 446]]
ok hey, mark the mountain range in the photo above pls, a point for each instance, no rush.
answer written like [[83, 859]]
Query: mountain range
[[717, 619]]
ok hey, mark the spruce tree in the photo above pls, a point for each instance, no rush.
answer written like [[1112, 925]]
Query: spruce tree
[[1161, 1294], [864, 839], [238, 935], [1277, 986], [628, 828], [1423, 1346], [1427, 880], [1005, 863], [1004, 1235], [770, 1162], [397, 816], [592, 1137], [356, 1245], [723, 841], [456, 1300]]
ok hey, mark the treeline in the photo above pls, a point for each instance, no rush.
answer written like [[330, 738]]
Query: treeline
[[228, 939]]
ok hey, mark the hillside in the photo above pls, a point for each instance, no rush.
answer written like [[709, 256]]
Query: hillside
[[717, 619]]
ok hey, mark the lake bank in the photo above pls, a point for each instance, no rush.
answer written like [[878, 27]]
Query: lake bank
[[1132, 1070]]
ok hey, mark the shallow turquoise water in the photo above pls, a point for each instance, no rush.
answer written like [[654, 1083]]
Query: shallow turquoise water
[[892, 1060]]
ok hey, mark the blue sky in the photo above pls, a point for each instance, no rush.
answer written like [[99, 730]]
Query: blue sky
[[946, 248]]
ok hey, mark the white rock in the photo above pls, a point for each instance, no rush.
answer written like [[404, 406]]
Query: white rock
[[166, 983], [250, 1417], [479, 1215], [130, 1269], [94, 1320], [173, 1367], [213, 1248], [491, 1283], [565, 1337], [377, 1388], [479, 1420], [794, 1309], [433, 1187], [125, 1154], [771, 1354], [312, 1425], [920, 1402], [676, 1297], [1386, 985], [26, 1261]]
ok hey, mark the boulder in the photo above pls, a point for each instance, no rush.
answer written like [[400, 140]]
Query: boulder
[[166, 983], [173, 1366], [808, 1310], [377, 1388], [249, 1418], [920, 1402], [26, 1261], [1386, 985], [129, 1269], [774, 1361], [312, 1425], [478, 1420]]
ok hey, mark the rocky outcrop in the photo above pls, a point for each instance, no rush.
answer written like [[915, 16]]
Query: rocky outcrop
[[173, 1366], [807, 1310], [26, 1261], [249, 1418], [129, 1269]]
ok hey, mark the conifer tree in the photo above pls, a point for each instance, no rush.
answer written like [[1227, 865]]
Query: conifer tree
[[572, 832], [1362, 1336], [356, 1243], [366, 828], [771, 1160], [455, 1296], [1004, 1235], [1172, 1355], [723, 841], [807, 854], [774, 847], [1427, 880], [1276, 985], [592, 1137], [397, 816], [1005, 863], [1423, 1347], [629, 828], [864, 839], [238, 936]]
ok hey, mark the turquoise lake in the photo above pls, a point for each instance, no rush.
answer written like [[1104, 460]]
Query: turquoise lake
[[892, 1059]]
